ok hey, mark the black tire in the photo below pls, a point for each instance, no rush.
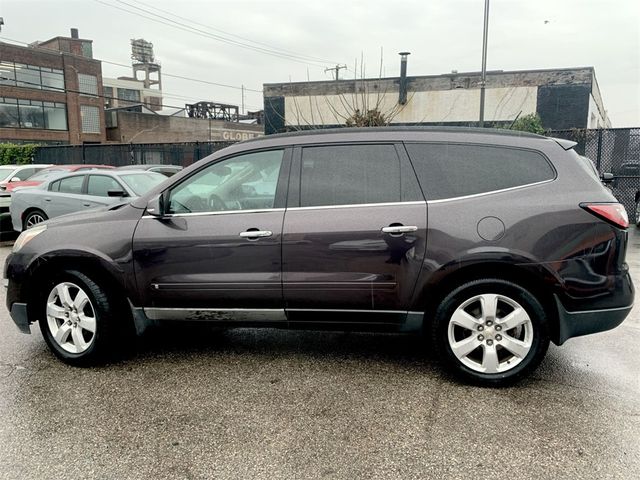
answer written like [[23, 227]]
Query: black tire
[[455, 299], [33, 214], [106, 320]]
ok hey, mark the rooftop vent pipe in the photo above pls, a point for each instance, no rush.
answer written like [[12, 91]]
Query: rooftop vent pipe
[[402, 99]]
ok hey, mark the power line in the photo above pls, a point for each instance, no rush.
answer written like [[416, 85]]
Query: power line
[[272, 47], [181, 26], [164, 74]]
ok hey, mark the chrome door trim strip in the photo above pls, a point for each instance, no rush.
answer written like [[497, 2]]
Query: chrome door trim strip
[[359, 205], [217, 314], [475, 195], [248, 314]]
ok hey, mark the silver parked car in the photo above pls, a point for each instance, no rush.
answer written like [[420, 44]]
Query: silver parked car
[[77, 192]]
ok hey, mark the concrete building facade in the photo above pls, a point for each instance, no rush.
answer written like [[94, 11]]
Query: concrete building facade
[[144, 126], [563, 98], [50, 92]]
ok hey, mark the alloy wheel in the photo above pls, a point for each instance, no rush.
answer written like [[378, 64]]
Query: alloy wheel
[[490, 333], [34, 219], [71, 317]]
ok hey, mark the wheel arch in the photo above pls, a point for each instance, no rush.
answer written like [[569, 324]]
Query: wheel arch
[[533, 277], [100, 270]]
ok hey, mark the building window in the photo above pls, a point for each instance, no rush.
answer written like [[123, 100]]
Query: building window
[[9, 117], [31, 76], [88, 84], [90, 119], [16, 113], [129, 95]]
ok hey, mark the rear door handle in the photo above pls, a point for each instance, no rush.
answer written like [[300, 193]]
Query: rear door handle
[[255, 233], [86, 204], [398, 229], [47, 199]]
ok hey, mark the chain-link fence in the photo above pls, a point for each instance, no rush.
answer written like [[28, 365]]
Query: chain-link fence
[[616, 151], [128, 154]]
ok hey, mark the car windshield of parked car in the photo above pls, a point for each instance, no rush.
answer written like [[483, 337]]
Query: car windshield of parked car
[[6, 172], [43, 175], [141, 183]]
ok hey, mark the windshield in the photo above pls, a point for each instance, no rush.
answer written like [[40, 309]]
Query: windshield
[[38, 177], [5, 172], [141, 183]]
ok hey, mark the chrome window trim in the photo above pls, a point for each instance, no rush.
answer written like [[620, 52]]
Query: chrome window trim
[[222, 212], [482, 194], [360, 205]]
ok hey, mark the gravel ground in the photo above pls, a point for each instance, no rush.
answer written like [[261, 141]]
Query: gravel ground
[[199, 403]]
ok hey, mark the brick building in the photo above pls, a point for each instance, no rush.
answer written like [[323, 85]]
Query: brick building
[[51, 92]]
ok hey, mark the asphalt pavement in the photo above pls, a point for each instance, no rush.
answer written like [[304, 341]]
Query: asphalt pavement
[[199, 403]]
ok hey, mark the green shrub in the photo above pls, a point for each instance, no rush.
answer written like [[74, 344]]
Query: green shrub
[[11, 153], [527, 123]]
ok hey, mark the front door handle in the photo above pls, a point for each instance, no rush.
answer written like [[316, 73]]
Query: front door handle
[[399, 229], [86, 204], [254, 233]]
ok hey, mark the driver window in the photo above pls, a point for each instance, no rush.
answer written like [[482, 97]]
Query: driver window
[[246, 182]]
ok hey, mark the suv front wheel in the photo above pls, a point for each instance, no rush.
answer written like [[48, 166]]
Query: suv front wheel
[[77, 319], [491, 332]]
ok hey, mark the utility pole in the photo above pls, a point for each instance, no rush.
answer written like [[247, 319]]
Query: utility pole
[[337, 68], [242, 111], [483, 78]]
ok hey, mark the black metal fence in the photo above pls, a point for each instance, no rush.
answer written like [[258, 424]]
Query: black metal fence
[[616, 151], [128, 154], [613, 150]]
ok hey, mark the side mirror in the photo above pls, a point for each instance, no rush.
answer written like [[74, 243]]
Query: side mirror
[[15, 179], [154, 207], [607, 177], [117, 193]]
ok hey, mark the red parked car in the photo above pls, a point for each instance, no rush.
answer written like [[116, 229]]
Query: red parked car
[[41, 176]]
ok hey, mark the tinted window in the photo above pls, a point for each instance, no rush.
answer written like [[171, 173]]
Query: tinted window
[[448, 171], [350, 174], [100, 185], [244, 182], [71, 184]]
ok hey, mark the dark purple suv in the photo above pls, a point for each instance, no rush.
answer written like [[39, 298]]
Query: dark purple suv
[[491, 243]]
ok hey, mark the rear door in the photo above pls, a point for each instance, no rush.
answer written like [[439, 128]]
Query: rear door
[[216, 253], [65, 196], [354, 234]]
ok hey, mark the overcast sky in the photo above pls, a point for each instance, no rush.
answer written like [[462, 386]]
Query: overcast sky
[[442, 35]]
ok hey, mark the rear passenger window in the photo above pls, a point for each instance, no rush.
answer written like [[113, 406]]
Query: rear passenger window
[[99, 185], [350, 174], [71, 184], [448, 171]]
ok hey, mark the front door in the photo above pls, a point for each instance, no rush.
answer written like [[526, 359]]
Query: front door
[[354, 235], [216, 252]]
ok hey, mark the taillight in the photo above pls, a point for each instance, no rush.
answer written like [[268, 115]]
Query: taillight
[[613, 213]]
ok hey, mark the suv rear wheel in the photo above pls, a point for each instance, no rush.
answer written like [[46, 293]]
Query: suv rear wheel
[[491, 332], [77, 319]]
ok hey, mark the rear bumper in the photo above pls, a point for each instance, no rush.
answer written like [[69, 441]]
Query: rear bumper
[[576, 324]]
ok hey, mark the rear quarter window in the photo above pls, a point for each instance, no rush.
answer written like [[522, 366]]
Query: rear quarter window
[[456, 170]]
